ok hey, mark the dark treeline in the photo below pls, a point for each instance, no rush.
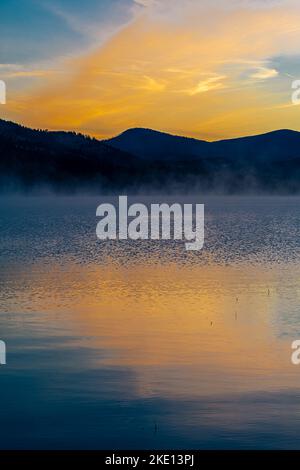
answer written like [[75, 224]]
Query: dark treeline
[[142, 159]]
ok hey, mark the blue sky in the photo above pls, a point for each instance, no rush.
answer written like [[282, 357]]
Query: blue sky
[[41, 30], [204, 68]]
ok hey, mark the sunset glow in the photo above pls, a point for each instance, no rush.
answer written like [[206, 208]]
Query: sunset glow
[[204, 69]]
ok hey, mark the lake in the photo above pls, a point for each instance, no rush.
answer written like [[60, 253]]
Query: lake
[[142, 344]]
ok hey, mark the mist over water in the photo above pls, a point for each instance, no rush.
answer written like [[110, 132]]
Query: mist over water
[[142, 344]]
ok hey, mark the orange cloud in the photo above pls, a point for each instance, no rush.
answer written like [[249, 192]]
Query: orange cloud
[[181, 74]]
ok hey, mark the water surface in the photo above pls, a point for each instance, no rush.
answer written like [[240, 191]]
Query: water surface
[[143, 344]]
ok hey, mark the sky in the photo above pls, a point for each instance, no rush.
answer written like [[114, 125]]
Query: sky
[[209, 69]]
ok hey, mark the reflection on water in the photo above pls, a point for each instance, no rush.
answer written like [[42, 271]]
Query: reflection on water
[[145, 345]]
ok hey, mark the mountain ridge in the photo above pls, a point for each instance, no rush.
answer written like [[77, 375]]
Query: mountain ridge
[[148, 159], [127, 141]]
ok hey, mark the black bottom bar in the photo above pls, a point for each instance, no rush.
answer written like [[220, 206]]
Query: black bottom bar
[[145, 459]]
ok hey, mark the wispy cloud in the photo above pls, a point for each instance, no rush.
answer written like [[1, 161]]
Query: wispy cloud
[[203, 86], [10, 67], [146, 3], [152, 84], [9, 71], [264, 73], [165, 67], [30, 74]]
